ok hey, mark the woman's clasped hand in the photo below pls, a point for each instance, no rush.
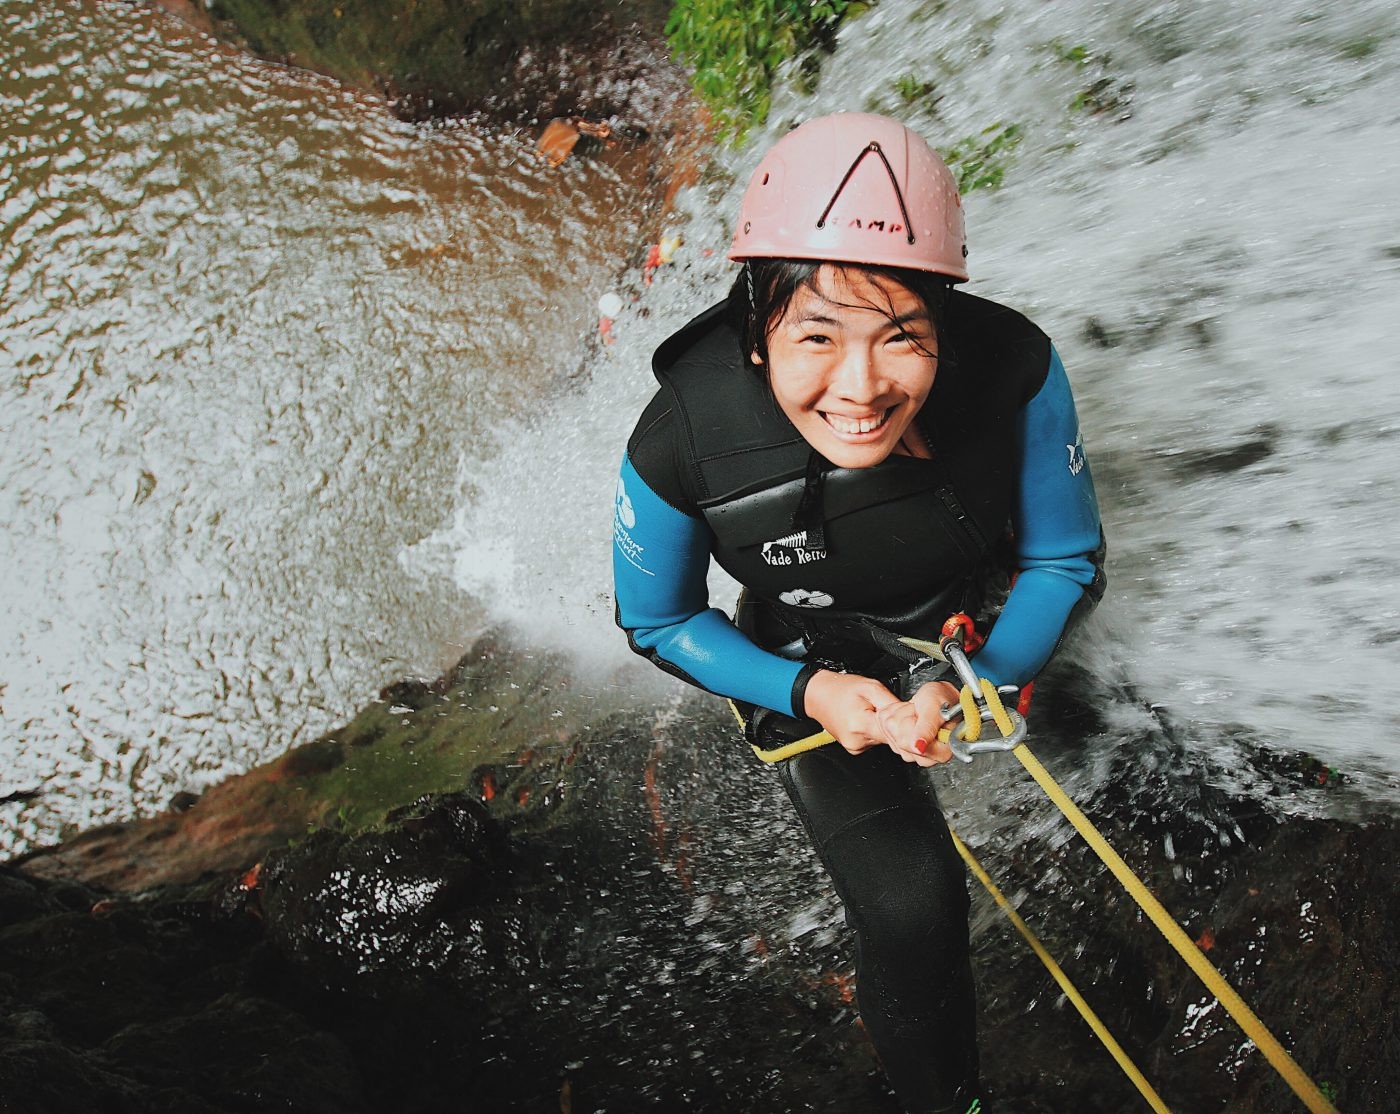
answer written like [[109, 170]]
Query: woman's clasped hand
[[861, 713]]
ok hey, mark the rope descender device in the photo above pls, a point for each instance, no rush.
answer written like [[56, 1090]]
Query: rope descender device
[[977, 704]]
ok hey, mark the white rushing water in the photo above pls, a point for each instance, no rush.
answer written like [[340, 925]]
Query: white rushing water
[[1201, 212]]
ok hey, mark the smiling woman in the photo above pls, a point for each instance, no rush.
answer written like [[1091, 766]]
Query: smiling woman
[[865, 450]]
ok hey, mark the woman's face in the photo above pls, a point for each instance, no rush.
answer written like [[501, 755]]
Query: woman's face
[[851, 363]]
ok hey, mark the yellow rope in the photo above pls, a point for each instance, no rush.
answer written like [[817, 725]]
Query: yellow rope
[[787, 750], [995, 706], [1085, 1010], [1255, 1029]]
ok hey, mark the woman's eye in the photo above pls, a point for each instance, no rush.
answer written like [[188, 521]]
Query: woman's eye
[[816, 338]]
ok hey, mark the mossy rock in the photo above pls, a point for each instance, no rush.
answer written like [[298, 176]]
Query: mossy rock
[[511, 59]]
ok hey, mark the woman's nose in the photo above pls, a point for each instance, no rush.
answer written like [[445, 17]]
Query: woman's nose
[[858, 378]]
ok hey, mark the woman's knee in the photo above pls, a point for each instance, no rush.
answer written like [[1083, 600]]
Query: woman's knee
[[905, 890]]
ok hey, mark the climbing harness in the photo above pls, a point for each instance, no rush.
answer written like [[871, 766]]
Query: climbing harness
[[980, 703]]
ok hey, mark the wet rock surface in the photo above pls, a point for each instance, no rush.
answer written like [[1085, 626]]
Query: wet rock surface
[[505, 61], [624, 917]]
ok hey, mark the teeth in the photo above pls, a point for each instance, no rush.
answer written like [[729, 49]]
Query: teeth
[[855, 425]]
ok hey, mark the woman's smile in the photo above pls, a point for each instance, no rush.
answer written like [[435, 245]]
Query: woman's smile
[[853, 428]]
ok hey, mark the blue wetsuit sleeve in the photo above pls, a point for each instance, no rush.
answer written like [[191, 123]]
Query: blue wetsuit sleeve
[[1058, 536], [660, 559]]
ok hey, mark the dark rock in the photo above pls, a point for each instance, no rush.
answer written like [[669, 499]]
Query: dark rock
[[413, 694], [313, 758], [511, 62], [348, 909], [633, 921], [268, 1057], [1223, 461], [1099, 334]]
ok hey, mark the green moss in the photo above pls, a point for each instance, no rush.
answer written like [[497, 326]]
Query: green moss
[[1361, 48], [737, 47], [981, 161], [501, 712]]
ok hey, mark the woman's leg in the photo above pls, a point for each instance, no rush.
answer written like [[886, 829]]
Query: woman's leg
[[877, 828]]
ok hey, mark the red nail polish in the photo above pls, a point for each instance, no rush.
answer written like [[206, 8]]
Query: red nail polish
[[921, 745]]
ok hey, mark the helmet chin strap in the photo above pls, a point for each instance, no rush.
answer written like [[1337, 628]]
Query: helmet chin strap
[[894, 182]]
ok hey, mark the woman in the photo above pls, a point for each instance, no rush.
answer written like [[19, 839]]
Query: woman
[[864, 449]]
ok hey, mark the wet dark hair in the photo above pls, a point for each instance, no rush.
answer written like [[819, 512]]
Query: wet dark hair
[[765, 288]]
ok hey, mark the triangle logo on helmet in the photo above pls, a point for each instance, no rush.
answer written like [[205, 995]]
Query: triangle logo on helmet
[[871, 148]]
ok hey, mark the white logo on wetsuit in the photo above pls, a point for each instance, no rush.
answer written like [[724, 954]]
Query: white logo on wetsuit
[[622, 503], [1076, 455], [791, 550], [625, 516], [806, 597]]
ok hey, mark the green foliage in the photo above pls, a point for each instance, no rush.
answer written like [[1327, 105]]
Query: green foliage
[[911, 89], [1077, 55], [1105, 93], [1330, 1091], [981, 161], [737, 46], [1104, 96]]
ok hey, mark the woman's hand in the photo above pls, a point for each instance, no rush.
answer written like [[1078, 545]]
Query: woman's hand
[[912, 727], [848, 706]]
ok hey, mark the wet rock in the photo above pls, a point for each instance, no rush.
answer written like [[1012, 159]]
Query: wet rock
[[1100, 334], [509, 62], [143, 1007], [494, 708], [500, 63], [1223, 461], [392, 901], [1279, 903], [632, 917], [318, 757]]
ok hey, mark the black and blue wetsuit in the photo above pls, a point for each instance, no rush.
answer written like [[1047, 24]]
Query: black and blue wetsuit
[[714, 470]]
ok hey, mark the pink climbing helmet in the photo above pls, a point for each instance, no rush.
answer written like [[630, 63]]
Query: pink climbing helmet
[[854, 188]]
